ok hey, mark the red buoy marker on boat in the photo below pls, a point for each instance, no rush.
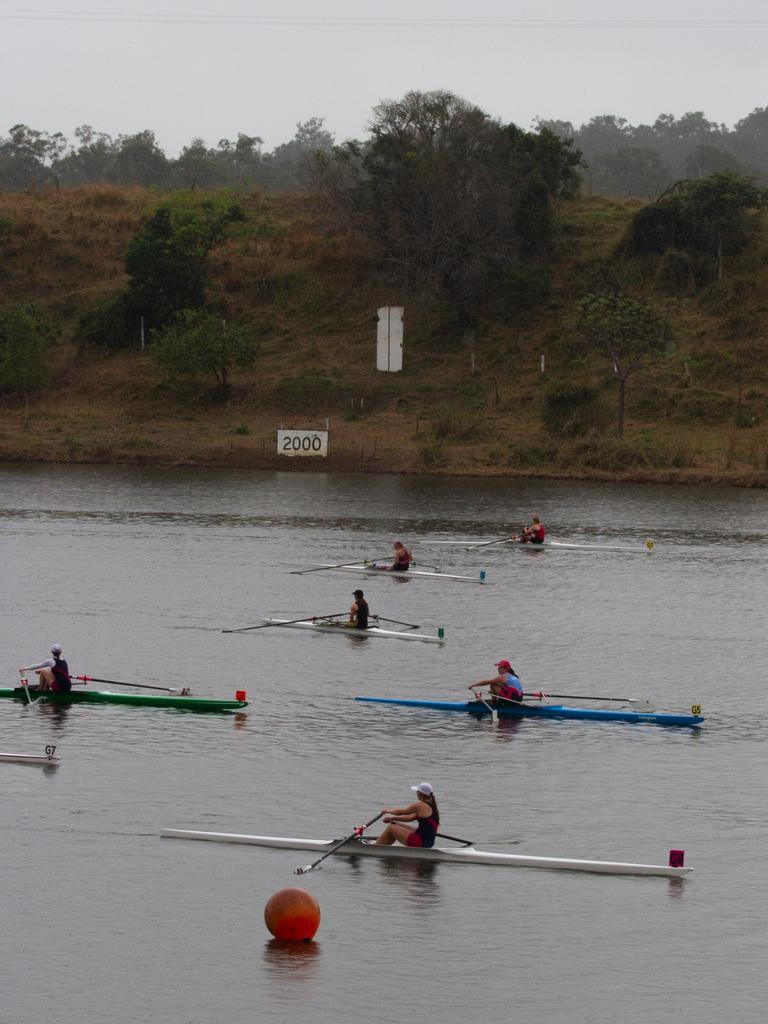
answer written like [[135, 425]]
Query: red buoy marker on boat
[[292, 915]]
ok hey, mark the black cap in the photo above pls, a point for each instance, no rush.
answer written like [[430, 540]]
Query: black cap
[[358, 593]]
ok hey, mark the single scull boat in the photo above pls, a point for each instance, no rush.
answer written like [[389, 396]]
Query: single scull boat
[[371, 569], [462, 855], [547, 545], [510, 710], [331, 626], [136, 699]]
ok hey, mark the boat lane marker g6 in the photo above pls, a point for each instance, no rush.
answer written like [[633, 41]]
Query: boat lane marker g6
[[465, 855]]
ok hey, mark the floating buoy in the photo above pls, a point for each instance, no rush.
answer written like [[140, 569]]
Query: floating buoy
[[292, 915]]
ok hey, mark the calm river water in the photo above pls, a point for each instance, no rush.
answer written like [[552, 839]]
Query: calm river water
[[136, 571]]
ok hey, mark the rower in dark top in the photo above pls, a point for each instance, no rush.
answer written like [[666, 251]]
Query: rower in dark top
[[423, 811], [359, 612], [403, 558], [53, 673]]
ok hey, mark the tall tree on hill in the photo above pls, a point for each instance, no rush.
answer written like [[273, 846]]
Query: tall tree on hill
[[450, 197], [626, 330], [167, 261], [26, 338]]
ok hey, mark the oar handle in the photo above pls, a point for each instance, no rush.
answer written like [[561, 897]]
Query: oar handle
[[357, 832]]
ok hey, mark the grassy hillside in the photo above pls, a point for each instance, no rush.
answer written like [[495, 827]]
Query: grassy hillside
[[310, 289]]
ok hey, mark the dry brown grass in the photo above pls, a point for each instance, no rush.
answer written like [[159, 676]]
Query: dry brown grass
[[310, 284]]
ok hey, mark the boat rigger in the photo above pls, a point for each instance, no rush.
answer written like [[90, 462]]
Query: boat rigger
[[145, 700], [329, 625], [513, 710], [463, 855]]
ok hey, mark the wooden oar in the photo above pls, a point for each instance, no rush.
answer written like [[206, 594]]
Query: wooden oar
[[540, 695], [341, 565], [290, 622], [358, 832], [138, 686], [396, 622]]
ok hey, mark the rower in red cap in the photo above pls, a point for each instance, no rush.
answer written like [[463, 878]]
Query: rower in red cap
[[506, 685]]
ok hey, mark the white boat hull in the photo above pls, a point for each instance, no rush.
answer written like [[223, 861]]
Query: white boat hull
[[548, 545], [30, 759], [327, 626], [462, 855], [372, 570]]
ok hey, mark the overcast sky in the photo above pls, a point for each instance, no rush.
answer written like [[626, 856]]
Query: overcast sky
[[224, 74]]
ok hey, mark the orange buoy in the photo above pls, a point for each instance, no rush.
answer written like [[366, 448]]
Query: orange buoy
[[293, 915]]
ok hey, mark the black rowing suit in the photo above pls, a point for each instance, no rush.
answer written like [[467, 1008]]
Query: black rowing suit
[[362, 613], [61, 679]]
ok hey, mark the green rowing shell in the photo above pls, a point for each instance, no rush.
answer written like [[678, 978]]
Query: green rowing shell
[[136, 699]]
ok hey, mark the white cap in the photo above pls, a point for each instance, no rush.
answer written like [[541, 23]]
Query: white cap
[[56, 649], [423, 787]]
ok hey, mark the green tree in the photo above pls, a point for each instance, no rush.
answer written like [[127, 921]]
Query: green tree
[[168, 259], [711, 217], [626, 330], [201, 344], [450, 197], [26, 338]]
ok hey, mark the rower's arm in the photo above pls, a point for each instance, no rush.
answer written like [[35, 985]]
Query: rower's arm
[[485, 682]]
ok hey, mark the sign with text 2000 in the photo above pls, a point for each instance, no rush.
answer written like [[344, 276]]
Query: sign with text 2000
[[302, 442]]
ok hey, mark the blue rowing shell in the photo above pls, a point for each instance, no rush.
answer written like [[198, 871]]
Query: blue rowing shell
[[475, 707]]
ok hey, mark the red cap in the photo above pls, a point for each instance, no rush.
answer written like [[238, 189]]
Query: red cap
[[504, 664]]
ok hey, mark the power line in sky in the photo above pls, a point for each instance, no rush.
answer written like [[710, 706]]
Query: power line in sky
[[308, 21]]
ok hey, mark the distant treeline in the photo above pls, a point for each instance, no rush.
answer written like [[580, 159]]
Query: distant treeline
[[34, 159], [643, 160], [620, 159]]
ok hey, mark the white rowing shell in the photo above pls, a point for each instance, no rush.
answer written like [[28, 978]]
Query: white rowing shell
[[556, 545], [29, 759], [372, 570], [464, 855], [326, 626]]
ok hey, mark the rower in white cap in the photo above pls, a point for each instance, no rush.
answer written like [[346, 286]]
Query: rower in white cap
[[423, 811], [53, 673]]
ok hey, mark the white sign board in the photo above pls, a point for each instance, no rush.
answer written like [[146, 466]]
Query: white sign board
[[389, 339], [302, 442]]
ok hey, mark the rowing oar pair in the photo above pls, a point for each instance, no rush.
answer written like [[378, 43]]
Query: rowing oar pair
[[316, 618], [352, 565], [540, 695], [358, 834]]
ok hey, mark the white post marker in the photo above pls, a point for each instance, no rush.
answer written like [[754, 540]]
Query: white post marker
[[389, 339]]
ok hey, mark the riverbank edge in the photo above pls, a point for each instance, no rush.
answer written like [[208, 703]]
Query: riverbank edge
[[346, 463]]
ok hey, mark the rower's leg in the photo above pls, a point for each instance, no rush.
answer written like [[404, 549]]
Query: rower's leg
[[45, 678], [394, 834]]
